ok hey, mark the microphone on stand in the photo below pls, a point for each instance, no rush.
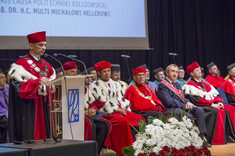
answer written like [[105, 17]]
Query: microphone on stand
[[173, 55], [46, 55], [128, 68], [71, 57], [125, 56], [21, 56]]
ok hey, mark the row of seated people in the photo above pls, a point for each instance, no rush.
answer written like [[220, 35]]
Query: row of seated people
[[214, 119], [120, 109], [227, 86]]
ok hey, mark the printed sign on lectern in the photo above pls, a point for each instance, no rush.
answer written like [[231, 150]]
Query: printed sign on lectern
[[73, 105]]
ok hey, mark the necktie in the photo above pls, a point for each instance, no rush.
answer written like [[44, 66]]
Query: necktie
[[174, 85], [40, 60]]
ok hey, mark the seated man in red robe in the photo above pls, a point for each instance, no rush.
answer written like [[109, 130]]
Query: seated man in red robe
[[29, 94], [143, 99], [229, 85], [110, 101], [205, 95], [213, 78], [94, 129]]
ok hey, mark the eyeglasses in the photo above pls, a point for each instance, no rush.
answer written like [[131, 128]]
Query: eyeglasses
[[140, 75]]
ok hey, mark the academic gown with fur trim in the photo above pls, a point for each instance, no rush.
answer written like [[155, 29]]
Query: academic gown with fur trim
[[140, 103], [92, 124], [203, 94], [229, 89], [217, 81], [29, 111], [108, 99]]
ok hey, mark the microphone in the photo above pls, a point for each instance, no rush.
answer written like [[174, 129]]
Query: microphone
[[126, 56], [46, 55], [71, 57], [173, 54], [21, 56]]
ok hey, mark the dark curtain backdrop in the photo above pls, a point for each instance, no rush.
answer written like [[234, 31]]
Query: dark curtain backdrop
[[197, 30]]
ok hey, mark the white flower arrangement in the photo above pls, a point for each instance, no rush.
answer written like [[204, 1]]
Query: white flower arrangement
[[169, 137]]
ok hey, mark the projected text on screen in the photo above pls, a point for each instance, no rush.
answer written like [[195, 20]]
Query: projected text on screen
[[73, 18]]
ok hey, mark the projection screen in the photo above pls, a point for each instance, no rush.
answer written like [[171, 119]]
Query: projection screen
[[75, 24]]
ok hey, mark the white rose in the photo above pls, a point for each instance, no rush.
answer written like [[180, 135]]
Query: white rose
[[157, 122], [181, 125], [141, 136], [188, 124], [157, 149], [158, 138], [137, 145], [196, 129], [150, 129], [166, 126], [150, 142], [173, 121]]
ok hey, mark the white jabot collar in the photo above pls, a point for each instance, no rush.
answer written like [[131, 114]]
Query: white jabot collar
[[37, 59]]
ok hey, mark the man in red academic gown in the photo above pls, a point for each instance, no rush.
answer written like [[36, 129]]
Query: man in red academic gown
[[143, 99], [29, 96], [110, 101], [229, 85], [205, 95], [213, 78]]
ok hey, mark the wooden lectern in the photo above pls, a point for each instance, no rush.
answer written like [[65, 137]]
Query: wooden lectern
[[67, 108]]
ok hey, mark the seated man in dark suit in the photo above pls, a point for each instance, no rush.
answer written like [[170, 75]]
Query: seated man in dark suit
[[172, 97]]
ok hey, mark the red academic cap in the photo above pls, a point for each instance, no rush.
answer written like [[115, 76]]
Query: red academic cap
[[70, 65], [138, 70], [37, 37], [102, 65], [191, 67]]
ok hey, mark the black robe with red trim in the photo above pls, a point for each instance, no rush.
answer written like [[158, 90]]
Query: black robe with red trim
[[229, 89], [220, 122], [29, 112]]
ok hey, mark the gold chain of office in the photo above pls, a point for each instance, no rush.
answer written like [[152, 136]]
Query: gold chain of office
[[142, 95]]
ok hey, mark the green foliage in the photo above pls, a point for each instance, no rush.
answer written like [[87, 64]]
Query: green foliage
[[163, 118], [128, 151], [142, 126], [150, 119], [182, 115]]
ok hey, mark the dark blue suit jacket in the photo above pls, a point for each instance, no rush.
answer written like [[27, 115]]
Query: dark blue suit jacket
[[168, 98]]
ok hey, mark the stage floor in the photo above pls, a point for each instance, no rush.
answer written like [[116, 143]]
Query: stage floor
[[223, 150]]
